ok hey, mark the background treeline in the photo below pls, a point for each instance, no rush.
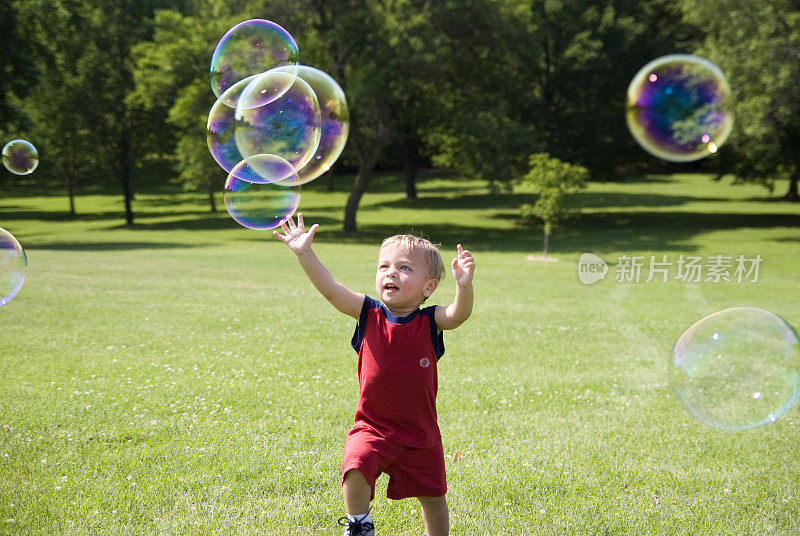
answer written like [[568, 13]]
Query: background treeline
[[110, 91]]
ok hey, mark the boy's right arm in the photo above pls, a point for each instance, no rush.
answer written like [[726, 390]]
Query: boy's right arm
[[299, 241]]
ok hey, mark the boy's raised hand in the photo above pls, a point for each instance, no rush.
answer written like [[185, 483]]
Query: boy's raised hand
[[463, 266], [295, 236]]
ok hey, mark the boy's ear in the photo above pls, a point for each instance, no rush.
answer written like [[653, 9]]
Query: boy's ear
[[430, 287]]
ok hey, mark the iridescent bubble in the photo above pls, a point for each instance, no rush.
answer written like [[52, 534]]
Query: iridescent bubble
[[259, 206], [20, 157], [267, 87], [255, 168], [288, 127], [335, 117], [737, 369], [249, 48], [221, 125], [680, 108], [13, 262]]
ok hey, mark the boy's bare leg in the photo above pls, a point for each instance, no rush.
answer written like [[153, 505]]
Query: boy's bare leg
[[435, 515], [357, 492]]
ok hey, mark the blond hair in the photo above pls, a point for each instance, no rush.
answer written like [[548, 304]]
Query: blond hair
[[429, 250]]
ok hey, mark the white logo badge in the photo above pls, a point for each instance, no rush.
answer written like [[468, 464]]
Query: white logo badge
[[591, 268]]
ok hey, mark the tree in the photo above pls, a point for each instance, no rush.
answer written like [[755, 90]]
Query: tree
[[118, 27], [61, 124], [412, 78], [552, 179], [478, 125], [349, 40], [535, 75], [586, 53], [171, 84], [20, 44], [757, 45], [92, 127]]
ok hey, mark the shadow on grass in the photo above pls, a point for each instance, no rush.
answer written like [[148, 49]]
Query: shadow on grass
[[659, 231], [634, 179], [513, 201], [106, 246], [140, 214], [656, 231], [614, 230], [471, 237], [487, 201], [598, 233], [189, 221], [596, 200]]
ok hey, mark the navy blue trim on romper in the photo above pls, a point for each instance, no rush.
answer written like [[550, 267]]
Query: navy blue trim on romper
[[369, 303]]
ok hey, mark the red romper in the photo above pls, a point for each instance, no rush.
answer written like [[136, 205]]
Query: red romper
[[395, 430]]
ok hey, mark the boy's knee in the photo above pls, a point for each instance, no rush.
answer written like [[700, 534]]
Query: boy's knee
[[355, 476], [433, 502]]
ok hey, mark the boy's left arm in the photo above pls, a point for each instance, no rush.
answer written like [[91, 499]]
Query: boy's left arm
[[453, 315]]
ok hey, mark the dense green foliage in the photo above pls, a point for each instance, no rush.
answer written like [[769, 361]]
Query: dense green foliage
[[111, 91], [757, 45]]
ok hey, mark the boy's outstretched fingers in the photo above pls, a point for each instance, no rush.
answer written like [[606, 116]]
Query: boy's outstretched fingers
[[295, 235], [282, 237], [464, 259]]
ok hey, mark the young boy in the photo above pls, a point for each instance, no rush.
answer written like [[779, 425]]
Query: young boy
[[398, 344]]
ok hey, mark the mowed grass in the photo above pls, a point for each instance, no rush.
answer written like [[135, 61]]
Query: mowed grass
[[182, 377]]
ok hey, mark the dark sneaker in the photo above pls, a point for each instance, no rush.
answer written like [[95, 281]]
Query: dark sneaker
[[356, 527]]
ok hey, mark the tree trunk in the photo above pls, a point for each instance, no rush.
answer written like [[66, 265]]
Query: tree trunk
[[792, 194], [546, 242], [126, 172], [210, 188], [410, 166], [359, 187], [368, 152], [71, 193]]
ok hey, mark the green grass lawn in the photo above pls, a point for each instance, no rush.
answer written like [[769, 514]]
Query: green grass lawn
[[181, 376]]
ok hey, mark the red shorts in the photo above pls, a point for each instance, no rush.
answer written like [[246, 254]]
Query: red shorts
[[413, 472]]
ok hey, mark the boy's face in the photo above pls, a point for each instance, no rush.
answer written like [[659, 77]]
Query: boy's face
[[403, 280]]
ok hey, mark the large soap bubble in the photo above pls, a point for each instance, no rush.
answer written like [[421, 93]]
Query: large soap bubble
[[222, 124], [259, 205], [249, 48], [335, 117], [680, 108], [13, 262], [288, 127], [738, 368]]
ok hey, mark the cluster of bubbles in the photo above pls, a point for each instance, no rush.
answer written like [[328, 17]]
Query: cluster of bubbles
[[679, 108], [20, 157], [13, 262], [737, 369], [276, 124]]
